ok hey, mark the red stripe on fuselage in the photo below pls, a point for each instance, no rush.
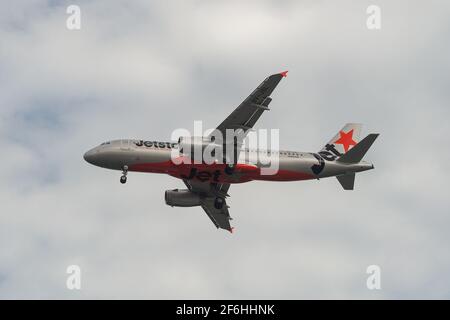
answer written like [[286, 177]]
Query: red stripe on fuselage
[[216, 172]]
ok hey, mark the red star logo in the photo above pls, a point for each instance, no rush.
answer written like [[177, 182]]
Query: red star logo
[[346, 139]]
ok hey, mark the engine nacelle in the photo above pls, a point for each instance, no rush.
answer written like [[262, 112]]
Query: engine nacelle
[[182, 198]]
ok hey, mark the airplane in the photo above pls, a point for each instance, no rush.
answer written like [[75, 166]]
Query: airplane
[[208, 184]]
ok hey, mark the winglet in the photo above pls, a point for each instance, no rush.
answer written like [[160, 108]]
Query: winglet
[[284, 74]]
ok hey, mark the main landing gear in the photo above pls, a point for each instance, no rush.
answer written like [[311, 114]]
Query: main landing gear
[[123, 178], [218, 203], [229, 169]]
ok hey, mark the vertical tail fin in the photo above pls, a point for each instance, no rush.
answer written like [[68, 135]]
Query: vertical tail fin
[[356, 154], [342, 142]]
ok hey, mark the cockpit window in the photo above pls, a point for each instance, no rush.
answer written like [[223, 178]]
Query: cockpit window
[[105, 143]]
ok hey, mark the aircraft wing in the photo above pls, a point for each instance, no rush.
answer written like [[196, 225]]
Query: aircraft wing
[[243, 118], [248, 112], [220, 217], [209, 193]]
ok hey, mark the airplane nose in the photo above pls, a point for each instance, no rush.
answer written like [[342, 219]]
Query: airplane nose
[[89, 156]]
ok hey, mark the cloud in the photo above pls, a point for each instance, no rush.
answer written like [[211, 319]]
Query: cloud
[[140, 69]]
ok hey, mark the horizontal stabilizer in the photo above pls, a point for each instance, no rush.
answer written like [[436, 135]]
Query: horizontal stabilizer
[[355, 154], [347, 180]]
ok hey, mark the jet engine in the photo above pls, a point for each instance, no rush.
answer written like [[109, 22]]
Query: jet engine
[[182, 198]]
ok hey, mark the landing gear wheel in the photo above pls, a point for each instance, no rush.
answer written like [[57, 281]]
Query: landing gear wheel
[[218, 203], [123, 178], [229, 168]]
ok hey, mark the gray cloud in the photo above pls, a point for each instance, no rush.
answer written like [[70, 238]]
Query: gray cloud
[[139, 69]]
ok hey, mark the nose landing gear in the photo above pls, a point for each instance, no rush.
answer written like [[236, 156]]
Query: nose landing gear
[[123, 178]]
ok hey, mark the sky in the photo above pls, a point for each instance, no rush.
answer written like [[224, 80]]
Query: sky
[[140, 69]]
